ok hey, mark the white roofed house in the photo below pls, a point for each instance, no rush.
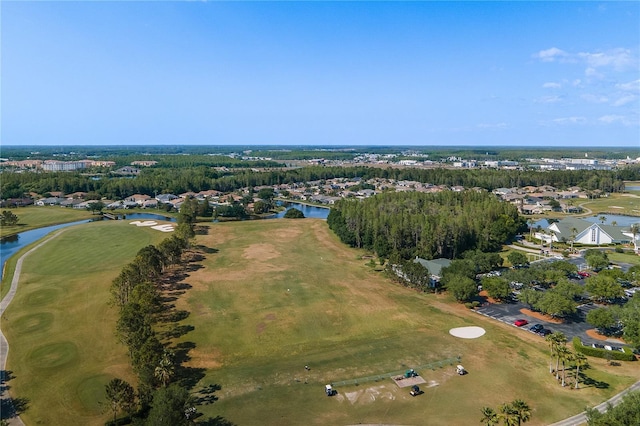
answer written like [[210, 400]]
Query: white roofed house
[[587, 233], [139, 199]]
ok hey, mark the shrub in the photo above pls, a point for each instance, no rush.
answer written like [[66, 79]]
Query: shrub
[[627, 355]]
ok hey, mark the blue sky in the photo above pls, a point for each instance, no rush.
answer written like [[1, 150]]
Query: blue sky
[[320, 73]]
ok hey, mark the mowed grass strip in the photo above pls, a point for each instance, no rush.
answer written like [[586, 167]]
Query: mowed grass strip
[[37, 217], [277, 295], [60, 328]]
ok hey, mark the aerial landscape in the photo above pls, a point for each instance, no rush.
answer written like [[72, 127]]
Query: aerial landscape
[[294, 213]]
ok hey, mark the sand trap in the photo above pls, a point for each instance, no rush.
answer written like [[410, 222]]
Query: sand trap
[[163, 228], [467, 332], [143, 223]]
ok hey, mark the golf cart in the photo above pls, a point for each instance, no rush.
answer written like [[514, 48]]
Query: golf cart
[[460, 370], [415, 390], [329, 390]]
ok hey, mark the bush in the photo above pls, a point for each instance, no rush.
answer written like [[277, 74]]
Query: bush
[[619, 250], [472, 305], [627, 355]]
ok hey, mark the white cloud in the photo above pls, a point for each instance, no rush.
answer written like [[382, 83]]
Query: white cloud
[[618, 58], [608, 119], [594, 98], [552, 85], [493, 126], [632, 86], [576, 83], [570, 120], [591, 72], [624, 100], [548, 99], [551, 54]]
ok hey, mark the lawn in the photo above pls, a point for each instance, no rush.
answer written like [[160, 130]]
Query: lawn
[[616, 203], [268, 298], [37, 217], [60, 327], [278, 295]]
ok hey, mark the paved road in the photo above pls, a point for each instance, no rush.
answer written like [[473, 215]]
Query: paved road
[[581, 418], [4, 345]]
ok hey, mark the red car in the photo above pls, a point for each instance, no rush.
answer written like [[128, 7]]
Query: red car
[[584, 274], [520, 322]]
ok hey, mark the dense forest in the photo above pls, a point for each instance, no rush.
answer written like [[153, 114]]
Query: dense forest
[[444, 224], [184, 177]]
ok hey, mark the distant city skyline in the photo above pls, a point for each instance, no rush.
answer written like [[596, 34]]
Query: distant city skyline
[[502, 73]]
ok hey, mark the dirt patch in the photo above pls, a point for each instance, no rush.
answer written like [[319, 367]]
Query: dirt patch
[[595, 335], [404, 382], [260, 327], [207, 360], [484, 294], [270, 317], [262, 251], [368, 395], [541, 316]]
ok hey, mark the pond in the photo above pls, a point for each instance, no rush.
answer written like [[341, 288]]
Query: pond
[[308, 210]]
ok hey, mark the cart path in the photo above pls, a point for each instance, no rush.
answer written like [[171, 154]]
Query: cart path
[[4, 345], [581, 418]]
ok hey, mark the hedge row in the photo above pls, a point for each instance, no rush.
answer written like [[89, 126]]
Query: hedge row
[[627, 355]]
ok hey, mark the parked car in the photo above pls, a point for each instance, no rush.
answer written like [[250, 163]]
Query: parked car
[[597, 346], [545, 332], [584, 274], [520, 322], [536, 328]]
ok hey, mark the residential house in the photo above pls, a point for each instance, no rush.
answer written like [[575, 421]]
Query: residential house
[[139, 199], [585, 232], [435, 268]]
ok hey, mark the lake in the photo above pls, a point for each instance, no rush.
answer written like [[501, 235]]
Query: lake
[[308, 210]]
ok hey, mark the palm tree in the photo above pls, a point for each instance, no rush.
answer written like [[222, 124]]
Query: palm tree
[[564, 355], [509, 415], [489, 416], [574, 232], [556, 340], [530, 222], [602, 219], [164, 371], [523, 410], [581, 362], [635, 230]]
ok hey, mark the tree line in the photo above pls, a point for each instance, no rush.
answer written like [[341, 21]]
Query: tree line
[[137, 293], [188, 175], [429, 226]]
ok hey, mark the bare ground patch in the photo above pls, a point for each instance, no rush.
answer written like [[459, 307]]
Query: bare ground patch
[[261, 251], [200, 359], [541, 316]]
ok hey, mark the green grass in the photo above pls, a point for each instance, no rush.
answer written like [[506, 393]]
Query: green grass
[[279, 295], [274, 296], [33, 217], [60, 327], [624, 204], [628, 257]]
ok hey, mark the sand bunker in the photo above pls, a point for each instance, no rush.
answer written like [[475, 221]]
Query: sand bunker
[[154, 225], [163, 228], [143, 223], [467, 332]]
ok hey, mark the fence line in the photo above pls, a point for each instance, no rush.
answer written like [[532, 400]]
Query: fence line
[[378, 377]]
